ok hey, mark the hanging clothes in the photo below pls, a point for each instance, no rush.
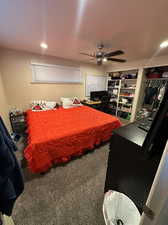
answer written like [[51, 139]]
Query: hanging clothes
[[161, 93], [11, 179], [7, 137], [154, 91], [150, 94]]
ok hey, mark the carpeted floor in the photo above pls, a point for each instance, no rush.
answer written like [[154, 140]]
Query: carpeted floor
[[67, 195]]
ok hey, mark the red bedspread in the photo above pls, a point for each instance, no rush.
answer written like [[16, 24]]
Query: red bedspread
[[56, 135]]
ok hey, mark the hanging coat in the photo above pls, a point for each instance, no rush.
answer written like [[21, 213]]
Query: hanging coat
[[11, 179]]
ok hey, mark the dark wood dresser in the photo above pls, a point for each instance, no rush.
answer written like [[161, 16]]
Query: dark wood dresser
[[128, 170]]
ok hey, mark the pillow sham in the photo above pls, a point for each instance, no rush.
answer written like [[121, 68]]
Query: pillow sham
[[76, 101]]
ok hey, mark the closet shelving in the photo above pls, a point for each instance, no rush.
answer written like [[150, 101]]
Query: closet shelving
[[122, 92], [137, 107], [153, 90]]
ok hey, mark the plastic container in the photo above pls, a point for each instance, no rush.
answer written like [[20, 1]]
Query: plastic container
[[118, 209]]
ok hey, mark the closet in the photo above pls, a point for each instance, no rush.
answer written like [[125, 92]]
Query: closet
[[152, 91], [137, 92]]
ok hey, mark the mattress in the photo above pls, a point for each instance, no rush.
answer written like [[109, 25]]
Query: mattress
[[55, 136]]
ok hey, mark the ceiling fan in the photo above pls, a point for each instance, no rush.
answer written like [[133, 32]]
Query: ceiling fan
[[102, 56]]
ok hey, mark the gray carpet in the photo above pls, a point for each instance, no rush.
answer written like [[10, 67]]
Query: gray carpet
[[67, 195]]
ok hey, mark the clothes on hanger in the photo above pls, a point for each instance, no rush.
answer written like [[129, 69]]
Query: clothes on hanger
[[11, 179], [150, 94], [154, 91], [7, 136], [161, 93]]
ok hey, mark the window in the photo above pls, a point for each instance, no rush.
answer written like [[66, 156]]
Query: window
[[45, 73], [95, 83]]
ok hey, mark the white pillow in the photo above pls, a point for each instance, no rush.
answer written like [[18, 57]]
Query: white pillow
[[50, 105], [67, 103]]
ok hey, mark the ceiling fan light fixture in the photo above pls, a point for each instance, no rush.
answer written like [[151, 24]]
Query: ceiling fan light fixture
[[43, 45], [101, 56], [164, 44]]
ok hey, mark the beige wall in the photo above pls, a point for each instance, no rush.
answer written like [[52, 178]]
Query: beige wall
[[15, 67], [4, 105], [17, 77]]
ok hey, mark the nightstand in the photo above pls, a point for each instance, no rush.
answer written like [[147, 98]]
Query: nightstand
[[18, 123]]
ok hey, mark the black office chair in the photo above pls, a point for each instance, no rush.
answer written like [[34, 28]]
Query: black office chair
[[105, 103]]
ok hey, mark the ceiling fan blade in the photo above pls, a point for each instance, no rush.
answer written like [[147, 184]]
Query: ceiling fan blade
[[115, 53], [117, 60], [82, 53]]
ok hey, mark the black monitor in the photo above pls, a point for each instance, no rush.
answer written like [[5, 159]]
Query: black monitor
[[97, 95], [157, 135]]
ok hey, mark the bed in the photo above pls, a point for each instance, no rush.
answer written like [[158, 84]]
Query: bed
[[55, 136]]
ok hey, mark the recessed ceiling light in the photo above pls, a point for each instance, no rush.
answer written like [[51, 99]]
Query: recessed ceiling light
[[104, 60], [164, 44], [43, 45]]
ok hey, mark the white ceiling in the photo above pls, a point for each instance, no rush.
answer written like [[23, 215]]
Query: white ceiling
[[71, 26]]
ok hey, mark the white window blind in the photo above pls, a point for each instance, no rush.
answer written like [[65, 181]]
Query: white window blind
[[45, 73], [95, 83]]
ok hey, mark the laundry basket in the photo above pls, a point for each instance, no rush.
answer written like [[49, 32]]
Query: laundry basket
[[118, 209]]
